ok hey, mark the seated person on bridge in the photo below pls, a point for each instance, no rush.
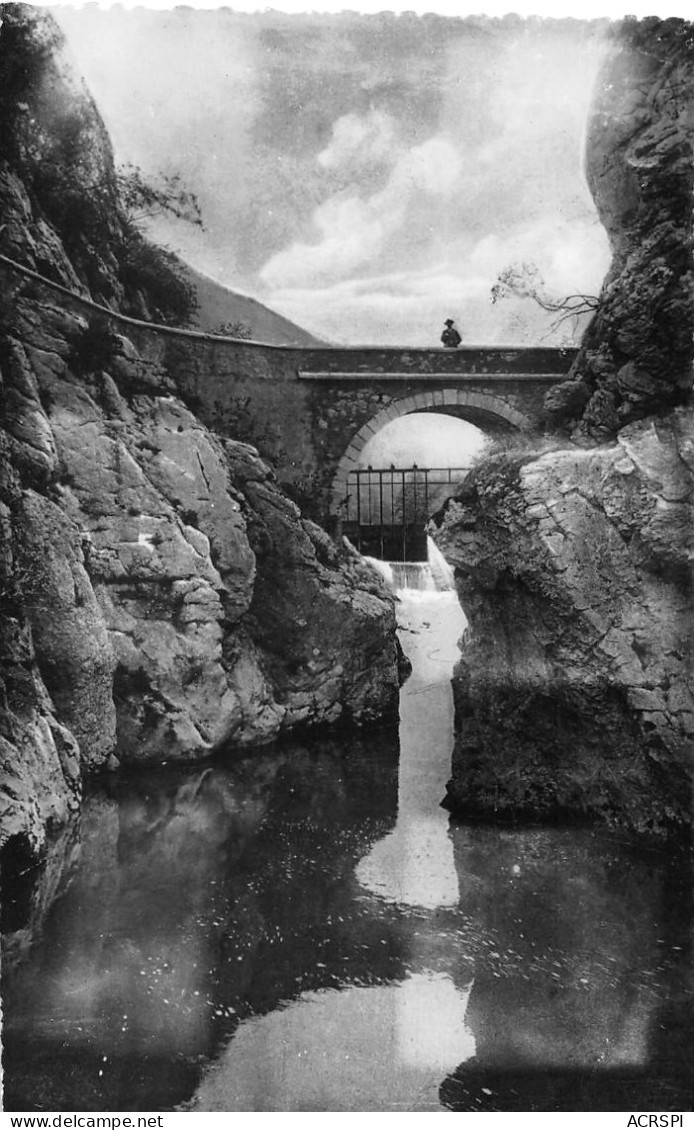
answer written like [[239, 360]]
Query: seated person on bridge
[[450, 336]]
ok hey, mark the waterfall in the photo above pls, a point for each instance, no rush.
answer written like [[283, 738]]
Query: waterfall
[[441, 571], [413, 575], [385, 568], [433, 575]]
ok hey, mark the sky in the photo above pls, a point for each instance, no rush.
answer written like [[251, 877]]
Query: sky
[[427, 439], [366, 176]]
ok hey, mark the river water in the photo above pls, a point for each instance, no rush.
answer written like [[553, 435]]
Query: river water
[[307, 930]]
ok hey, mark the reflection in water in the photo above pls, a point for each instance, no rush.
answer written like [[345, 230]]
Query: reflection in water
[[201, 895], [312, 1054], [414, 864], [231, 934]]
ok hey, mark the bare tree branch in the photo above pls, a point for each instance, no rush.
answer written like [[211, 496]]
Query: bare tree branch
[[524, 280]]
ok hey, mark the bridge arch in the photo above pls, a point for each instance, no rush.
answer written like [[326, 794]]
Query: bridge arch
[[479, 408]]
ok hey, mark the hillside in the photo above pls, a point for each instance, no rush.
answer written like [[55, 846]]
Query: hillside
[[217, 306]]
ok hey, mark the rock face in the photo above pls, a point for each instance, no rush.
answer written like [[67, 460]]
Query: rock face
[[55, 149], [159, 597], [636, 356], [574, 565], [573, 693]]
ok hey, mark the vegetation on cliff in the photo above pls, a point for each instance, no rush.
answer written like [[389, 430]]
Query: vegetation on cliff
[[56, 154]]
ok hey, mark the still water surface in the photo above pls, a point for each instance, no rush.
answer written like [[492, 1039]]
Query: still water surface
[[306, 930]]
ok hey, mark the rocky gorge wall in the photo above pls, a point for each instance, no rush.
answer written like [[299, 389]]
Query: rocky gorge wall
[[574, 564], [160, 598], [573, 693], [636, 355]]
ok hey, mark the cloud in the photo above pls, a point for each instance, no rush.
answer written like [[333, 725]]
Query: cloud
[[402, 308], [497, 180], [367, 191], [432, 168], [407, 307], [360, 140], [570, 257], [354, 230]]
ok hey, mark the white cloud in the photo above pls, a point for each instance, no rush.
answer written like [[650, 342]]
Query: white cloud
[[407, 307], [432, 168], [570, 257], [360, 140], [351, 232], [354, 230], [498, 181]]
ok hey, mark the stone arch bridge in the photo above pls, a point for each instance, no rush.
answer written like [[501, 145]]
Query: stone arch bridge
[[310, 411]]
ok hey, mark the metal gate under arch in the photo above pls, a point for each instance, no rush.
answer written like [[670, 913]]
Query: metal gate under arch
[[387, 508]]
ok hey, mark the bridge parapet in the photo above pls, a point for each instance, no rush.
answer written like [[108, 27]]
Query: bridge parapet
[[392, 363]]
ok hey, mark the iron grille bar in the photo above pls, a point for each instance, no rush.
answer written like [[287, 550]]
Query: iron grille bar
[[380, 512], [388, 508]]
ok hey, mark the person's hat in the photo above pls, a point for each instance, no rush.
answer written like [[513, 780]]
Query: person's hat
[[448, 322]]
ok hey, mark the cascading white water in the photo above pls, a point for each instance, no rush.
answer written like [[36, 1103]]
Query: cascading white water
[[385, 568], [433, 575], [413, 864], [414, 575], [441, 571]]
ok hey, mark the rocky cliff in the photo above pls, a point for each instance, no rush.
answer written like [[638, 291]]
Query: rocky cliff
[[573, 693], [636, 356], [159, 597]]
